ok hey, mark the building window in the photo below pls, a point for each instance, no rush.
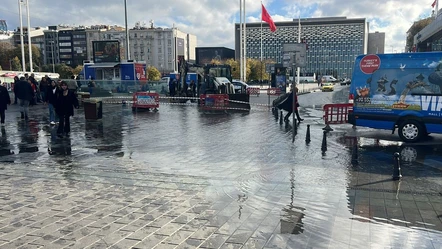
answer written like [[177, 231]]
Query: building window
[[65, 50], [65, 44], [64, 38]]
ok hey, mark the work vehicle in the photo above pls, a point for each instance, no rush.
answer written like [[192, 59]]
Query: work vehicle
[[398, 91], [239, 86], [215, 79], [328, 87]]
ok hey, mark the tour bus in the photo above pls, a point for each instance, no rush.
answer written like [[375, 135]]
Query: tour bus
[[398, 91]]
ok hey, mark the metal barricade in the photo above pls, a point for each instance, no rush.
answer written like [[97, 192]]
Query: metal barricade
[[212, 102], [336, 113], [146, 100], [253, 91], [274, 91]]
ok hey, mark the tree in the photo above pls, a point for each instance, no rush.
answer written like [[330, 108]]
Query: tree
[[36, 56], [6, 49], [77, 70], [16, 64], [216, 62], [416, 28], [153, 73], [64, 71], [235, 68]]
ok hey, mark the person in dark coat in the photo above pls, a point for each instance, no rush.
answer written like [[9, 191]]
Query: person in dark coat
[[287, 105], [65, 103], [5, 100], [25, 93], [16, 79], [51, 99]]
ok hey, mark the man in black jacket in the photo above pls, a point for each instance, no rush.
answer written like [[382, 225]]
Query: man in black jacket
[[24, 92]]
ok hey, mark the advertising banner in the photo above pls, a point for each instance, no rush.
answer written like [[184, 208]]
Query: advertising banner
[[140, 72], [146, 100], [214, 101], [106, 51]]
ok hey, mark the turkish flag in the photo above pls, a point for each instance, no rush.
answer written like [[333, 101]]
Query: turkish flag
[[434, 3], [267, 18]]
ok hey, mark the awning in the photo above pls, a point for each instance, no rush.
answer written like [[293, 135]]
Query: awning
[[103, 65]]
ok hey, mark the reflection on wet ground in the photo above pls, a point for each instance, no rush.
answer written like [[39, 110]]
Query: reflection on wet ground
[[179, 178]]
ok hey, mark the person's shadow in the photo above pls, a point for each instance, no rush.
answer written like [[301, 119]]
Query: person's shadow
[[5, 147], [59, 146]]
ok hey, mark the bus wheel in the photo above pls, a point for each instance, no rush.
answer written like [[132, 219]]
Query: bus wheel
[[410, 130]]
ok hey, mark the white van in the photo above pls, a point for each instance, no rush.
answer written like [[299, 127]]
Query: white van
[[328, 78]]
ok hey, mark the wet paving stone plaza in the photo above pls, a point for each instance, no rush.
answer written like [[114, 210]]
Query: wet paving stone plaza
[[179, 178]]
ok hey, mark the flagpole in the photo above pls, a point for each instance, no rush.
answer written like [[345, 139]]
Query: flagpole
[[240, 42], [245, 43]]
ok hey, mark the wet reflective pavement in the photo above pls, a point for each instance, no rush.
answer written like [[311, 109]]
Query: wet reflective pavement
[[182, 179]]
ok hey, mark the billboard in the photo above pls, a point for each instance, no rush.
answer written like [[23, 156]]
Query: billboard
[[180, 46], [140, 71], [106, 51], [206, 55]]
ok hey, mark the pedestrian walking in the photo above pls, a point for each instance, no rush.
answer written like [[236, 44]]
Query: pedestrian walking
[[72, 84], [5, 100], [287, 105], [65, 103], [50, 100], [24, 94], [44, 85], [91, 85], [16, 80]]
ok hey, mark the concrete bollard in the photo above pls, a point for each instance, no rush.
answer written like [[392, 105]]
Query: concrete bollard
[[324, 142], [354, 155], [397, 167], [281, 121], [307, 136]]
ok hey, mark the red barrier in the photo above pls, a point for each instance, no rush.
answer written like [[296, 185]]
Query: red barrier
[[214, 101], [146, 100], [253, 91], [336, 113], [274, 91]]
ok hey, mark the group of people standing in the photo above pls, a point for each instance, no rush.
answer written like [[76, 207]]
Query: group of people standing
[[59, 96]]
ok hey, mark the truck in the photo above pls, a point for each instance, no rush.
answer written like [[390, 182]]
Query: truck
[[400, 92]]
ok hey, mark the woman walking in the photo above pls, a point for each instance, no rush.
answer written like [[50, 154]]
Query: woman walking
[[51, 99], [66, 101], [5, 100]]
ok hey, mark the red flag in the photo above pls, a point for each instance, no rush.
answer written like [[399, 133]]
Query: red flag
[[434, 3], [267, 18]]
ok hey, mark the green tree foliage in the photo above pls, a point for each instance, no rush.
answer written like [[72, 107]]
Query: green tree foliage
[[63, 70], [36, 56], [153, 73], [16, 64], [416, 28], [6, 49]]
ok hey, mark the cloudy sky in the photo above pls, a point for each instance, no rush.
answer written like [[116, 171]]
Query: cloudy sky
[[213, 20]]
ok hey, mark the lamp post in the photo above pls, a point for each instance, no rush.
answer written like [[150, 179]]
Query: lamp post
[[127, 31]]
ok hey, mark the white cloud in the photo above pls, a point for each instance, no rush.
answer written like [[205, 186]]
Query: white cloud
[[213, 21]]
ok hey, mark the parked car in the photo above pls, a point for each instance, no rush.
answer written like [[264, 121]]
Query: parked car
[[328, 87], [239, 86], [345, 82]]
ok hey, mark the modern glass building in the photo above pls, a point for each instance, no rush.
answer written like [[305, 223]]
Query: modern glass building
[[333, 43]]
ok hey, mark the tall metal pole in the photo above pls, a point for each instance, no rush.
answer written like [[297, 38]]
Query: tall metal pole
[[245, 43], [240, 42], [21, 37], [127, 31], [31, 69]]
